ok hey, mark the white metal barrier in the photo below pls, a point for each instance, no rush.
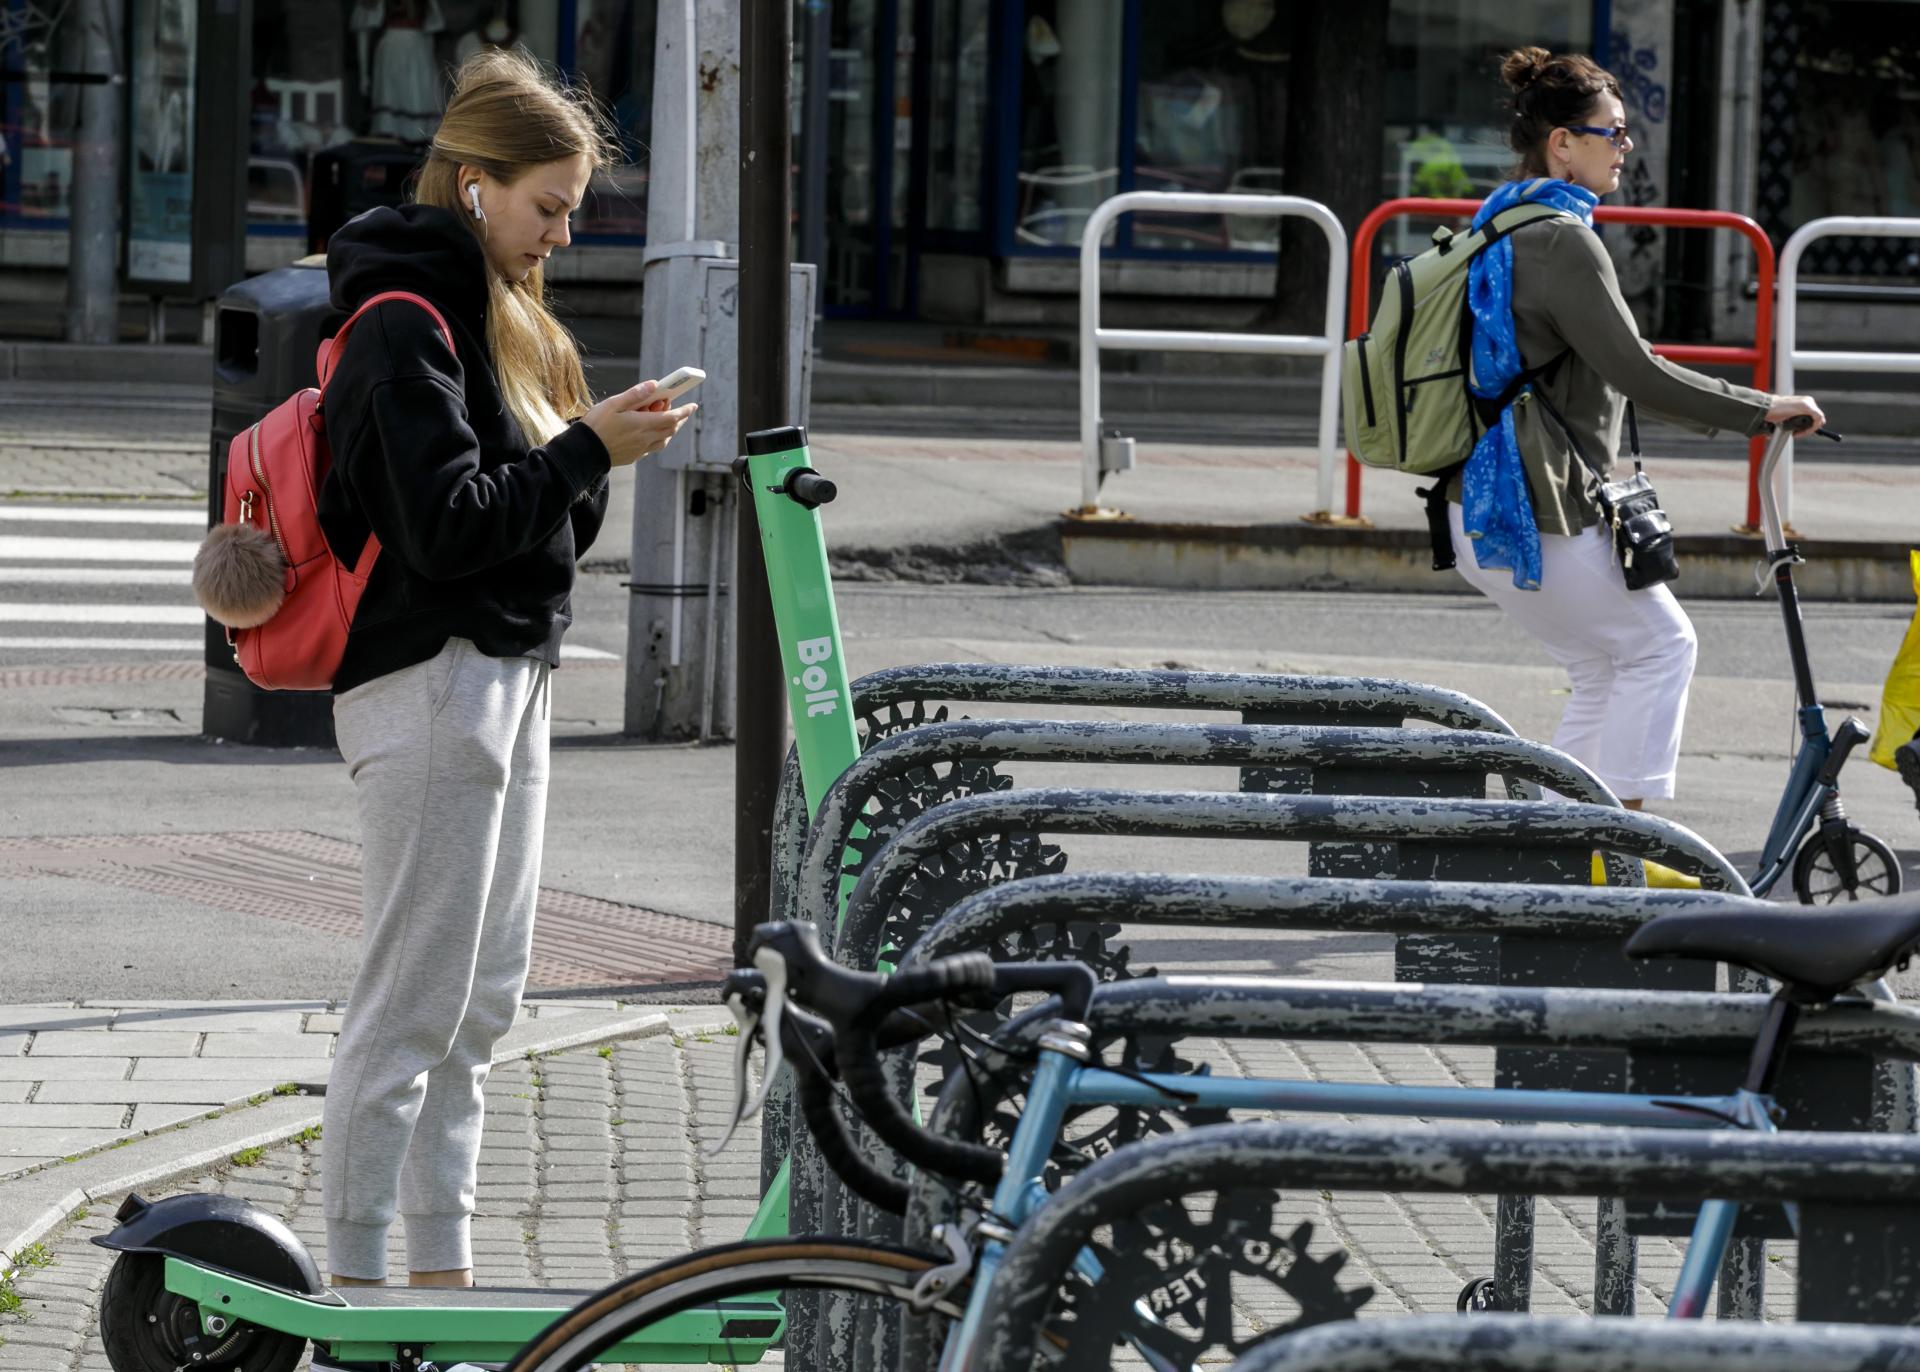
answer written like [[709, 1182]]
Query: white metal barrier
[[1095, 461], [1787, 357]]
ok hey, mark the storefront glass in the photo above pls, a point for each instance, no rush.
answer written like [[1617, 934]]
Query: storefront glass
[[1212, 116], [1446, 115], [958, 117], [37, 117], [1069, 121], [1856, 145], [348, 92]]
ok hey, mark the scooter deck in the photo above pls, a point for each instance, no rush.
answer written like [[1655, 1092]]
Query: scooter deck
[[478, 1324], [558, 1299]]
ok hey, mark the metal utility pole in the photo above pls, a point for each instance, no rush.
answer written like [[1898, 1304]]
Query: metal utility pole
[[766, 212], [816, 105], [678, 623], [93, 272]]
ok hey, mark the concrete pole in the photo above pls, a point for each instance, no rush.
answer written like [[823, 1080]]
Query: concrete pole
[[93, 271], [679, 663]]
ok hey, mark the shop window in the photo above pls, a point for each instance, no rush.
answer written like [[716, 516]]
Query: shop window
[[37, 117], [1211, 116], [613, 57], [1446, 112], [1070, 56], [958, 117], [1855, 102], [347, 93]]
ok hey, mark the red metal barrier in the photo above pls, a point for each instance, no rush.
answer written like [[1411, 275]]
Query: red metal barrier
[[1759, 356]]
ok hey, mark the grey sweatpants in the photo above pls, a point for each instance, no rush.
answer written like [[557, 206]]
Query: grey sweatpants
[[449, 766]]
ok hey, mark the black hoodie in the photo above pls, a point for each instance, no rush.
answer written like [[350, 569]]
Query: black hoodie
[[479, 529]]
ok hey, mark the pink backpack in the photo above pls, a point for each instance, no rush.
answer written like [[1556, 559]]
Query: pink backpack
[[266, 572]]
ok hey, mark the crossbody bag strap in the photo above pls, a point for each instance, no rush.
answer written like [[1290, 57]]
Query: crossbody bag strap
[[1573, 442]]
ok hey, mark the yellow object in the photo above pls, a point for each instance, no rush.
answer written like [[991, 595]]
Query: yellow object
[[1900, 697], [1658, 875]]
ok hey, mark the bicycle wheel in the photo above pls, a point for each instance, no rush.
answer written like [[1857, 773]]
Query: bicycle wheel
[[1816, 882], [741, 1269]]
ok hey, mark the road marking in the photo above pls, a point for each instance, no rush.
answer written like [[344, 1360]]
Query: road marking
[[157, 645], [100, 614], [72, 514], [21, 548], [583, 654], [95, 576]]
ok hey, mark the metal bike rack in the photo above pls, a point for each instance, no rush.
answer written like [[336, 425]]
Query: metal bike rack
[[1373, 751], [1719, 1029], [1514, 1343], [1426, 832], [1859, 1195], [1095, 463], [1758, 357], [1497, 828], [1788, 356], [1258, 697]]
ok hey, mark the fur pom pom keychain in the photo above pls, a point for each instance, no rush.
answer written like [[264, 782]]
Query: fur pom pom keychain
[[239, 576]]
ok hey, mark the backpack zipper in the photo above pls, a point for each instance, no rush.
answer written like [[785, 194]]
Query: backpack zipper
[[1404, 275], [1366, 379], [266, 491]]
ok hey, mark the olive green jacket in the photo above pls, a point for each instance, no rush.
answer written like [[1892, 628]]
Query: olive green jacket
[[1567, 296]]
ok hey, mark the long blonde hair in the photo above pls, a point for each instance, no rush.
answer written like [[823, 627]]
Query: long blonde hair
[[507, 115]]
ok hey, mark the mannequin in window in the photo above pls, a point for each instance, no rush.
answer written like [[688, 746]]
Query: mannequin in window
[[402, 82], [496, 32]]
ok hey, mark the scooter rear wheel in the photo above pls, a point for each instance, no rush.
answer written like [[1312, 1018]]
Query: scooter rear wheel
[[1816, 882], [147, 1328]]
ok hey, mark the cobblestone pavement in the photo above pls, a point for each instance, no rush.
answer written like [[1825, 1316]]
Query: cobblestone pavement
[[594, 1165], [70, 439]]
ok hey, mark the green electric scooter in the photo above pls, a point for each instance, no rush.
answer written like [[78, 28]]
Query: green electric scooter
[[209, 1283]]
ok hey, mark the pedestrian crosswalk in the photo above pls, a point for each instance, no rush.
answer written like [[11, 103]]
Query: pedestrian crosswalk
[[80, 580]]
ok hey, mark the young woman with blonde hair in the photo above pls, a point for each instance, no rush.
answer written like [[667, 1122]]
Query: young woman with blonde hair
[[484, 471]]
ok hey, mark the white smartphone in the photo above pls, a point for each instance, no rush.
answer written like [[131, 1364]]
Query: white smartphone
[[677, 383]]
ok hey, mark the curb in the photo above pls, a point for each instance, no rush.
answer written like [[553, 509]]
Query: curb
[[35, 1205], [1276, 556]]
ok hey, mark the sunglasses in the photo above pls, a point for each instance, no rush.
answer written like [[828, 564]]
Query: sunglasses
[[1617, 135]]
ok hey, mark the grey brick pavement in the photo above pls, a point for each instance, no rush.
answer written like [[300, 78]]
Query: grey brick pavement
[[593, 1165]]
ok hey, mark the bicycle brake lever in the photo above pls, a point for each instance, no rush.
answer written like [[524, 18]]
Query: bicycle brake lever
[[773, 967], [748, 1023]]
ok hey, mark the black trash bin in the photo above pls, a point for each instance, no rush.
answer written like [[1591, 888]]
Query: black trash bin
[[353, 178], [265, 333]]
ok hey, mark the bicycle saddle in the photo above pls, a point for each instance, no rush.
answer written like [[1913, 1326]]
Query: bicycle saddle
[[1817, 953]]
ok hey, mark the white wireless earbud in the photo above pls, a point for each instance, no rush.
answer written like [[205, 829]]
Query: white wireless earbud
[[473, 195]]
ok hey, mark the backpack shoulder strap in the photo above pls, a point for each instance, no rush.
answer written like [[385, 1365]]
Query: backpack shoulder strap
[[1518, 217], [330, 348]]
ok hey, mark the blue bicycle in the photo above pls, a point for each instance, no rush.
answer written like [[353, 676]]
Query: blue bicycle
[[857, 1016]]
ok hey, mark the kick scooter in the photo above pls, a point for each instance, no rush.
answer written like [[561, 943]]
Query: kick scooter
[[1832, 859], [209, 1283]]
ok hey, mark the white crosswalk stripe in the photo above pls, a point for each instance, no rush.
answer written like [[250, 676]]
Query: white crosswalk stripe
[[72, 582]]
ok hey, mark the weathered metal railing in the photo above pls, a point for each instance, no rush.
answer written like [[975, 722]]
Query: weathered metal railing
[[1859, 1192], [1515, 1343]]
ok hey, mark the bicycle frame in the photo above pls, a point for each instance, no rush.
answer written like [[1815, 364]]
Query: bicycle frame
[[1063, 1080]]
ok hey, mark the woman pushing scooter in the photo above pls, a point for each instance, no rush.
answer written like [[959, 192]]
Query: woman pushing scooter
[[1526, 514]]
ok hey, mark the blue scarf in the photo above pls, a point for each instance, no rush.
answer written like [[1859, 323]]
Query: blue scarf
[[1495, 508]]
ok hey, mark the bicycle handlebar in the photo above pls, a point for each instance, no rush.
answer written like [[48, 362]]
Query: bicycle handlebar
[[869, 1012]]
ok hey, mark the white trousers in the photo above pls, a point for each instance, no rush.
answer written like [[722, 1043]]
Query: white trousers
[[1630, 655]]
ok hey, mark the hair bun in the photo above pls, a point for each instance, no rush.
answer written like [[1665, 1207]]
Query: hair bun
[[1523, 66]]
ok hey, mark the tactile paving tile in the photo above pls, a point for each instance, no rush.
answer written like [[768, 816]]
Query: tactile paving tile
[[314, 881], [101, 674]]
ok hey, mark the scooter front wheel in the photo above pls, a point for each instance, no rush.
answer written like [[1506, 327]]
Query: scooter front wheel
[[147, 1328], [1818, 881]]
